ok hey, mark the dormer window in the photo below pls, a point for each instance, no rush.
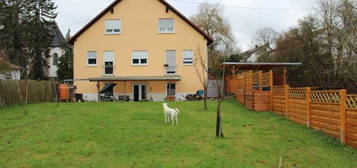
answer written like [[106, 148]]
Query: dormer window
[[166, 25], [112, 26]]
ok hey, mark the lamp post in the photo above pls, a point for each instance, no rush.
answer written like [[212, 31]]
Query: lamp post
[[2, 27]]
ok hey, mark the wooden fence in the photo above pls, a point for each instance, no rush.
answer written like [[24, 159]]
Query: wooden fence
[[330, 111], [250, 89], [26, 91]]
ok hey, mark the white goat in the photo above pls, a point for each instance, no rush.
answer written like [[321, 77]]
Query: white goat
[[170, 114]]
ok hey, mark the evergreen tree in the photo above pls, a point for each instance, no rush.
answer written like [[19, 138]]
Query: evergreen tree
[[12, 38], [40, 37], [26, 37], [65, 66]]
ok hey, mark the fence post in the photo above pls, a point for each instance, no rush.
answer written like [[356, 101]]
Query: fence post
[[260, 80], [343, 95], [286, 101], [308, 107], [271, 89], [245, 83]]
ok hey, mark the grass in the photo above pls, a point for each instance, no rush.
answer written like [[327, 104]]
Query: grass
[[134, 135]]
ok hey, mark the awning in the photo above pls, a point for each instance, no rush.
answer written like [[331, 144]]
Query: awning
[[107, 87], [137, 78], [260, 65]]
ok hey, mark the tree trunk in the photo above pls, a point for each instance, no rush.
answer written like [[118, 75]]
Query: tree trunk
[[205, 97], [219, 130]]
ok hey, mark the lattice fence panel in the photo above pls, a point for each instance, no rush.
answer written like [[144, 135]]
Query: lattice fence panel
[[351, 101], [297, 93], [326, 96], [279, 89]]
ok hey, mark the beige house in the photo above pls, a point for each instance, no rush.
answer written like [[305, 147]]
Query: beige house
[[144, 49]]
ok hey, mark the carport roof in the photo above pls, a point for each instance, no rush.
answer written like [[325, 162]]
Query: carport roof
[[260, 65], [137, 78]]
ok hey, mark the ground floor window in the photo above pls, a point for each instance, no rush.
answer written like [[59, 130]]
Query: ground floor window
[[171, 89]]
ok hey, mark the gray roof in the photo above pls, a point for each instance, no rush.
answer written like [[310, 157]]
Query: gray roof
[[58, 39], [137, 78], [263, 63]]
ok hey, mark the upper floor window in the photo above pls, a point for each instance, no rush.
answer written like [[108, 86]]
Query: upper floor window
[[139, 57], [92, 58], [166, 26], [108, 63], [112, 26], [187, 57], [55, 59]]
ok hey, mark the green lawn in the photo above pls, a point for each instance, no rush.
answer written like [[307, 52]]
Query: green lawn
[[129, 135]]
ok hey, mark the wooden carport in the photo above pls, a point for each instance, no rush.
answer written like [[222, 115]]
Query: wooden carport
[[252, 83]]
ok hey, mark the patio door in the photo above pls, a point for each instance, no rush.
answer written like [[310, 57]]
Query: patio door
[[139, 92]]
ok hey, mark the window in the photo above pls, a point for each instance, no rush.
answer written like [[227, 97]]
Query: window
[[139, 58], [187, 57], [166, 26], [112, 26], [92, 58], [171, 89], [55, 59], [171, 62], [108, 63]]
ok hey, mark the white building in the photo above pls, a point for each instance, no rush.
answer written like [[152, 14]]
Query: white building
[[55, 52]]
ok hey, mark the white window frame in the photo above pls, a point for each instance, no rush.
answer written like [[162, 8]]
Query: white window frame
[[96, 58], [113, 61], [55, 55], [167, 32], [113, 28], [140, 90], [184, 56], [140, 57]]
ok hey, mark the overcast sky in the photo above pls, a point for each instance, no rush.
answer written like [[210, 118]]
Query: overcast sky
[[245, 16]]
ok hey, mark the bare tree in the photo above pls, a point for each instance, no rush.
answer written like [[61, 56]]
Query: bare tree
[[219, 75], [264, 41], [338, 22], [211, 20], [201, 67]]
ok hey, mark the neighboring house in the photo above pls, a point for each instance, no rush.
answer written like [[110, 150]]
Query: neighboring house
[[8, 70], [56, 51], [144, 49]]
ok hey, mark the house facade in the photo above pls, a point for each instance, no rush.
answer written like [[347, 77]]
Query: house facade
[[142, 49]]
